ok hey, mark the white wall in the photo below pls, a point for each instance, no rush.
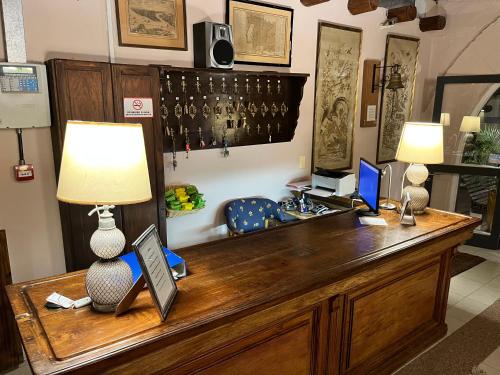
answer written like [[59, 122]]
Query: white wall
[[78, 29]]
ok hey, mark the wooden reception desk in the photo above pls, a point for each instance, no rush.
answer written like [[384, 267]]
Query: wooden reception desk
[[325, 295]]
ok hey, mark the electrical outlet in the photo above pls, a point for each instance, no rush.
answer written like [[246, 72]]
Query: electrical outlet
[[302, 162]]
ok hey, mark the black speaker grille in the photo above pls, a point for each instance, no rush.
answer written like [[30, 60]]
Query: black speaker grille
[[223, 52]]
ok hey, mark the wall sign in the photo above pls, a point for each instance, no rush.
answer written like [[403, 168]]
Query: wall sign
[[137, 107]]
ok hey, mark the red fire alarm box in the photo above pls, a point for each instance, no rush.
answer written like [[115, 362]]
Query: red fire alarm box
[[24, 172]]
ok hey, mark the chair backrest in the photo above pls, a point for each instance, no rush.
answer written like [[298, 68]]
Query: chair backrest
[[250, 214]]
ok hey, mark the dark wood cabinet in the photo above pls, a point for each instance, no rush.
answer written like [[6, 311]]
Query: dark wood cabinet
[[94, 91]]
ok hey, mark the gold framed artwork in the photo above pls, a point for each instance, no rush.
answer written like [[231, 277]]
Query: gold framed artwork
[[396, 105], [152, 23], [337, 66], [262, 33]]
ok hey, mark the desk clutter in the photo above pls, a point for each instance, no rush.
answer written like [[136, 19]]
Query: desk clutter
[[203, 108]]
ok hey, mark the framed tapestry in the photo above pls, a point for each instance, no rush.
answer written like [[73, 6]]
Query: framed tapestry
[[337, 65], [152, 23], [396, 105], [262, 33]]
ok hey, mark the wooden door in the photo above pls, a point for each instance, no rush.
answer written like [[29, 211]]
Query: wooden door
[[11, 354], [143, 82], [94, 91], [79, 90]]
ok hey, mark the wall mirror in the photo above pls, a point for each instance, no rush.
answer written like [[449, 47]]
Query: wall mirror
[[469, 179]]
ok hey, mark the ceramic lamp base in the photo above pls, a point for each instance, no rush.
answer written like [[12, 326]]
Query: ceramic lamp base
[[419, 198], [107, 282]]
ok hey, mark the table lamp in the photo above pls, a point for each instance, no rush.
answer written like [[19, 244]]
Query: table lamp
[[104, 164], [470, 124], [421, 143], [445, 119]]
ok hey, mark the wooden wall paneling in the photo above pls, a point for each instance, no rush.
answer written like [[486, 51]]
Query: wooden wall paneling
[[79, 90], [143, 81], [432, 23], [362, 6], [403, 14], [369, 99], [11, 354]]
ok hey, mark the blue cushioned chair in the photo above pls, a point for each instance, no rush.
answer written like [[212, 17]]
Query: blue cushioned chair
[[251, 214]]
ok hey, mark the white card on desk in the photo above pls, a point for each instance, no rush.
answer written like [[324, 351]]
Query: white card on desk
[[372, 221]]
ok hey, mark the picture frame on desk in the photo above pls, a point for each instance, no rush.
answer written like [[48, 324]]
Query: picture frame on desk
[[156, 270], [270, 28]]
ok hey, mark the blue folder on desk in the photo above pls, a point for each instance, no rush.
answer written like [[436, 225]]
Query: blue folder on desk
[[174, 261]]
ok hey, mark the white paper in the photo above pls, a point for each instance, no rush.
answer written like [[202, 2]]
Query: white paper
[[320, 192], [371, 113], [137, 107], [366, 220]]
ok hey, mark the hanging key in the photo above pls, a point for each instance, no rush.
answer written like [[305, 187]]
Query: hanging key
[[269, 132], [236, 86], [187, 144], [200, 134], [258, 86], [225, 151], [217, 108], [247, 86], [198, 85], [274, 109], [278, 87], [174, 151], [169, 84], [223, 85], [269, 87], [211, 85], [192, 110], [205, 110], [178, 113], [284, 109]]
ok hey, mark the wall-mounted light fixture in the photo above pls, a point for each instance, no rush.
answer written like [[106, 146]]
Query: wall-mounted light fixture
[[393, 80]]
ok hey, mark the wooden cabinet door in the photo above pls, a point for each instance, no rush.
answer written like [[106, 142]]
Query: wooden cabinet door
[[80, 90], [134, 81], [288, 347], [381, 321]]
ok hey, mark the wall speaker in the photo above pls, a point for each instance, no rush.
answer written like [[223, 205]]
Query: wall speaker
[[213, 45]]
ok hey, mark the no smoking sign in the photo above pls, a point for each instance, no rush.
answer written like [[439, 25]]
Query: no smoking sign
[[137, 107]]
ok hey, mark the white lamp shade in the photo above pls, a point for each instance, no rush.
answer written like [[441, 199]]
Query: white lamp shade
[[103, 163], [421, 143], [471, 124], [445, 119]]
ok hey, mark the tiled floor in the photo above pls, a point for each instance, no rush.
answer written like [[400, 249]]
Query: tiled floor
[[470, 293], [473, 291]]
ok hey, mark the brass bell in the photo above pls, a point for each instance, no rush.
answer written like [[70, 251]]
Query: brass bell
[[395, 81]]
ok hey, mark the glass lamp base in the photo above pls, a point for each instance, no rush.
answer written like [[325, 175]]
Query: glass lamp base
[[104, 308]]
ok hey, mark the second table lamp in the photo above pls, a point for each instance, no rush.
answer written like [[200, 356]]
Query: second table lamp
[[421, 143], [104, 164]]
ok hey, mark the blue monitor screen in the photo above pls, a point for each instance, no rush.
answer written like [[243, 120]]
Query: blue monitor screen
[[369, 184]]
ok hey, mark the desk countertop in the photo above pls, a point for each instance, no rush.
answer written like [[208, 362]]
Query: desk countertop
[[227, 278]]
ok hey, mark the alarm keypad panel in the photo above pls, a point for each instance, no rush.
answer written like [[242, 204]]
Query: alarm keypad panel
[[18, 79], [24, 96]]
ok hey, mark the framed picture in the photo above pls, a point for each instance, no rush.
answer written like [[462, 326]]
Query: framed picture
[[156, 270], [396, 105], [337, 65], [262, 33], [152, 23]]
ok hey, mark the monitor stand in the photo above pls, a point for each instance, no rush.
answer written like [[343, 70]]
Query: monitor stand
[[366, 212]]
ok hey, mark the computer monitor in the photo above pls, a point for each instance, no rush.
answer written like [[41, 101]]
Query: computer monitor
[[369, 186]]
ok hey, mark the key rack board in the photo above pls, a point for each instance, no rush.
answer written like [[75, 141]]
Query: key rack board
[[210, 108]]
